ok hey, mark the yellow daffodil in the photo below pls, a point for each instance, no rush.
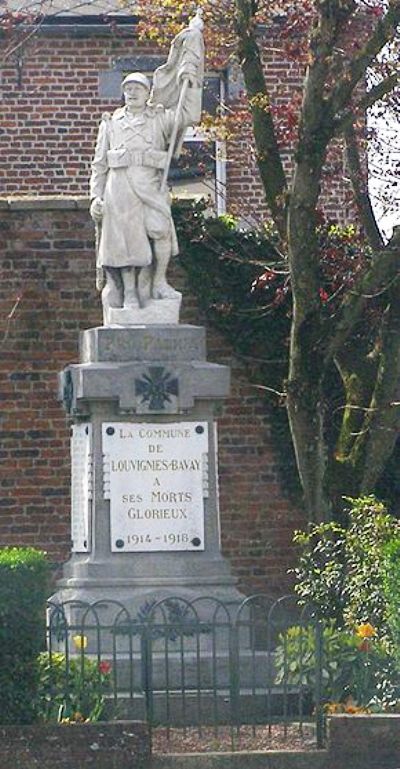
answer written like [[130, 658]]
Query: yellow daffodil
[[77, 717], [366, 630], [80, 641]]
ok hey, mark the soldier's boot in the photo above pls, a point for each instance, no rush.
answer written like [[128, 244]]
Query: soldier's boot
[[162, 253], [144, 284], [111, 295], [130, 291]]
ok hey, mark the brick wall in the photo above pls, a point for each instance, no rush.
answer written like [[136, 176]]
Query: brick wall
[[49, 119], [47, 295], [51, 108], [125, 745]]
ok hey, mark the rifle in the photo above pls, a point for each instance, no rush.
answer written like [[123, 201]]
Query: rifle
[[100, 277]]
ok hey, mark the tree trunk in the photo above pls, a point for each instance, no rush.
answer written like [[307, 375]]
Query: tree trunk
[[376, 441], [306, 420]]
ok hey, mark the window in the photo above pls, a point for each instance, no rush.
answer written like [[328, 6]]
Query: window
[[201, 169]]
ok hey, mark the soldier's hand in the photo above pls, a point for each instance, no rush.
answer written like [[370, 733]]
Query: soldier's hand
[[188, 73], [96, 209]]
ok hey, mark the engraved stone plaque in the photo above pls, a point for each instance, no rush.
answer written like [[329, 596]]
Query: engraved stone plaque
[[156, 478], [81, 486]]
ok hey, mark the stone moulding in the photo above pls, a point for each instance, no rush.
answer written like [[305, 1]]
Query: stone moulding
[[44, 202], [115, 360]]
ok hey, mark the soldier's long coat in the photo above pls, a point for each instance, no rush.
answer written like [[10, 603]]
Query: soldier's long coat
[[126, 173]]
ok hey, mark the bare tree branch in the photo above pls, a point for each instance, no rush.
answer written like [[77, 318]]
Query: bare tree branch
[[360, 189], [384, 271], [371, 97], [268, 156], [378, 91], [358, 66]]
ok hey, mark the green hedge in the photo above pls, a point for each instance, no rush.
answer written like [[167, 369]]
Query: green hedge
[[341, 571], [391, 585], [23, 593]]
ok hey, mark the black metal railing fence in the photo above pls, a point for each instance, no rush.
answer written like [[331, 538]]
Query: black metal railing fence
[[189, 665]]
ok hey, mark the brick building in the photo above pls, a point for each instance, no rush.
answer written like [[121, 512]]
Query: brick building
[[55, 84]]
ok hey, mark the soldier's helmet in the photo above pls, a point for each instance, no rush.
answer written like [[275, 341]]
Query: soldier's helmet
[[136, 77]]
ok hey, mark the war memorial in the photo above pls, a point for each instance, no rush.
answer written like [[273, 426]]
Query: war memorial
[[145, 518]]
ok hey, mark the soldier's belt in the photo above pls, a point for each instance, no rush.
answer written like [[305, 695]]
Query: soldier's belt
[[123, 158]]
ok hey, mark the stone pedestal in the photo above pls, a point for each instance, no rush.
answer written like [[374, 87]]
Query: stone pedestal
[[144, 468]]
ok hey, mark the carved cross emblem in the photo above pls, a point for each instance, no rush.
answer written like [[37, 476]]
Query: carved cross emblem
[[156, 387]]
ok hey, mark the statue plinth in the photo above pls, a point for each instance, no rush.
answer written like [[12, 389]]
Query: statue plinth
[[155, 312], [145, 518]]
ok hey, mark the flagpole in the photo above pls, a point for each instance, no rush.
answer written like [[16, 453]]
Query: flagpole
[[174, 134]]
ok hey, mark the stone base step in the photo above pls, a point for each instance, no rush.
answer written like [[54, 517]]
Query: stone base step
[[254, 706], [253, 669]]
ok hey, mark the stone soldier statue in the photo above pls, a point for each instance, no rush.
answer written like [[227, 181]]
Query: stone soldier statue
[[130, 203]]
